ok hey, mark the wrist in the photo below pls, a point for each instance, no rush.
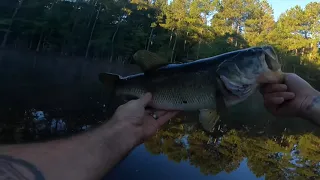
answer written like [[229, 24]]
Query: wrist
[[127, 131], [310, 108]]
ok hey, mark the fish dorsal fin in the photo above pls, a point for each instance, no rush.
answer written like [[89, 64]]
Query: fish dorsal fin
[[148, 60], [208, 118]]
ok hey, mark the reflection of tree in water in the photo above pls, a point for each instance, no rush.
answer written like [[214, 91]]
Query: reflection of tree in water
[[169, 142], [204, 153], [284, 157]]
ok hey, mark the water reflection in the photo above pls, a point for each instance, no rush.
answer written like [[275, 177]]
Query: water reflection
[[31, 125], [284, 156]]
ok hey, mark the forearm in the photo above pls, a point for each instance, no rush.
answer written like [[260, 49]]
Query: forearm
[[86, 156]]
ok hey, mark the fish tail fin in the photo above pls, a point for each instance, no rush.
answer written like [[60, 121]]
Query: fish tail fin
[[109, 81]]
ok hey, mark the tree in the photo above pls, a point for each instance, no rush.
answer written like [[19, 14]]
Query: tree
[[179, 30], [259, 23], [5, 38]]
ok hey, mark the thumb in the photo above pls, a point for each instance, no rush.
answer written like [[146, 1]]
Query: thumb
[[144, 100], [271, 77]]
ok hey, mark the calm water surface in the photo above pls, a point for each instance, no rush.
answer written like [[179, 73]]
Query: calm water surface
[[248, 144], [141, 164]]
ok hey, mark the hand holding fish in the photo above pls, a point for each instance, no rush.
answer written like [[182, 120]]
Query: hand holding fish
[[144, 122], [292, 97]]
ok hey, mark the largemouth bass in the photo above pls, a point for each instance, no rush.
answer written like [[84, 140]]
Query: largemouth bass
[[208, 85]]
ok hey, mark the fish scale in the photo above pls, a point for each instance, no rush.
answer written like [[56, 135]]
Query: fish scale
[[185, 96]]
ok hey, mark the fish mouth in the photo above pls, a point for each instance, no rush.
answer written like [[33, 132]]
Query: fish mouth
[[237, 75]]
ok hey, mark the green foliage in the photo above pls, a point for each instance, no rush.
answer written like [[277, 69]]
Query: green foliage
[[180, 31]]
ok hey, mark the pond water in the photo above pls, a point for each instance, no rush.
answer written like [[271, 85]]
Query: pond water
[[141, 164], [248, 143]]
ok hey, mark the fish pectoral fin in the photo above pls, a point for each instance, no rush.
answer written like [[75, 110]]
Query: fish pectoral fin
[[147, 60], [208, 119]]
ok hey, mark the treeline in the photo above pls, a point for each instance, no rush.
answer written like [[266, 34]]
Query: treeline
[[180, 30]]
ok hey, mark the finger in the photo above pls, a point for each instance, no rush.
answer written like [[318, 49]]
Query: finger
[[154, 113], [271, 77], [160, 113], [144, 100], [284, 95], [148, 111], [274, 101], [166, 117], [274, 88]]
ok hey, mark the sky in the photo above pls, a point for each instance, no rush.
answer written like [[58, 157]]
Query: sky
[[280, 6]]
